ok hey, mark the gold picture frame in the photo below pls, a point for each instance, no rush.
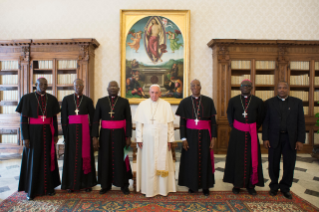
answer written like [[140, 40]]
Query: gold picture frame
[[155, 49]]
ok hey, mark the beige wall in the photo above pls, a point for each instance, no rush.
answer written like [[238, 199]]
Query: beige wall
[[242, 19]]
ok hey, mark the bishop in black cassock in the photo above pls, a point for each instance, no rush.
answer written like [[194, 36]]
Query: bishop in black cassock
[[77, 118], [115, 134], [243, 162], [198, 131], [39, 173]]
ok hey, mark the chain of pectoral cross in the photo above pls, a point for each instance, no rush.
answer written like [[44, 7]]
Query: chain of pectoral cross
[[196, 112], [76, 105], [112, 107], [245, 109], [46, 103]]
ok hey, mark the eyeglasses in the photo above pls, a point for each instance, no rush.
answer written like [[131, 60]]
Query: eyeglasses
[[248, 86]]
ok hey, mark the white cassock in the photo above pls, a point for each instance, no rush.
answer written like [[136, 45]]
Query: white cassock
[[155, 166]]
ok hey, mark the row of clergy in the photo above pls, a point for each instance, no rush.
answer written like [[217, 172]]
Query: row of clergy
[[283, 133]]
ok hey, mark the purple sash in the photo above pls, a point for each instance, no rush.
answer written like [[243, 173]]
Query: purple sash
[[202, 125], [252, 129], [117, 125], [86, 139], [50, 122]]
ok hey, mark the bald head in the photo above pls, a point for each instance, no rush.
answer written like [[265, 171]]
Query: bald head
[[195, 87], [78, 86], [195, 81], [41, 79], [113, 88], [41, 85], [79, 81]]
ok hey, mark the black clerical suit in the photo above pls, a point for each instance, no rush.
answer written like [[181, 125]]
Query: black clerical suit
[[283, 126]]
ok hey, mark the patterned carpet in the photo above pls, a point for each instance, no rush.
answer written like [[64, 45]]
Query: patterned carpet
[[180, 201]]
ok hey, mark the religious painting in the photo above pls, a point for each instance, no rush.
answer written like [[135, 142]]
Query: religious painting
[[155, 50]]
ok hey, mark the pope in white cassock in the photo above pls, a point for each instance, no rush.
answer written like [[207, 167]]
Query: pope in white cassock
[[154, 133]]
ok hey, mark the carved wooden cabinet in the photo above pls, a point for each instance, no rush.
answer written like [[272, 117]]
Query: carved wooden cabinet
[[23, 61], [265, 62]]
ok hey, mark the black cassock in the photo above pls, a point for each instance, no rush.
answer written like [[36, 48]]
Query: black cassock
[[111, 165], [238, 167], [195, 167], [36, 177], [73, 176]]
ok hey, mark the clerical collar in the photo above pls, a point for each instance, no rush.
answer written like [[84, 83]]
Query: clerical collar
[[283, 99], [40, 94], [77, 96], [113, 97], [245, 96], [195, 97]]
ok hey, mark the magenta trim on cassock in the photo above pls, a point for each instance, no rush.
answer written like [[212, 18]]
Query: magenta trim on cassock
[[49, 121], [202, 125], [86, 139], [127, 163], [252, 129], [117, 125]]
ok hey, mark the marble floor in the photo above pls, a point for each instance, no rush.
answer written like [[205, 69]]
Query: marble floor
[[305, 184]]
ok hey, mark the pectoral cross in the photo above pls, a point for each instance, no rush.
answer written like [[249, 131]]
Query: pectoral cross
[[196, 121], [244, 114], [43, 117], [111, 114], [152, 119], [76, 111]]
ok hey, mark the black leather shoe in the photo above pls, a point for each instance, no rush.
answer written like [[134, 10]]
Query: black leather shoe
[[206, 192], [51, 193], [70, 191], [29, 198], [104, 190], [273, 192], [287, 195], [125, 190], [190, 191], [88, 189], [252, 191], [236, 190]]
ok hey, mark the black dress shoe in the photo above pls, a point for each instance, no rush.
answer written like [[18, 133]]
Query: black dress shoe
[[236, 190], [287, 195], [252, 191], [70, 191], [206, 192], [104, 190], [51, 193], [88, 189], [29, 198], [273, 192], [190, 191], [125, 190]]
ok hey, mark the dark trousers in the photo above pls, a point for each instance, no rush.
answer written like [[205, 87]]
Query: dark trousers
[[289, 161]]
